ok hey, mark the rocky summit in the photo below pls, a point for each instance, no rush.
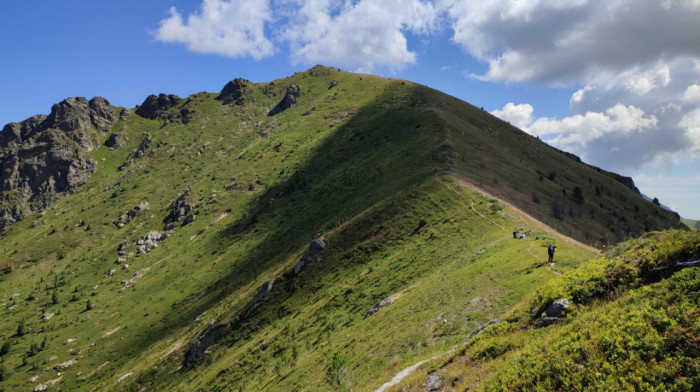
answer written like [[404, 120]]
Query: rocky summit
[[329, 231]]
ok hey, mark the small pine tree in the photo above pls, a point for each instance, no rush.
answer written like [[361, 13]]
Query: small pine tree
[[54, 297], [20, 328], [88, 305], [656, 201], [3, 373], [4, 349], [578, 195]]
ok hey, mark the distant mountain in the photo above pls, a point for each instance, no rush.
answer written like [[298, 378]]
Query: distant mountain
[[318, 232]]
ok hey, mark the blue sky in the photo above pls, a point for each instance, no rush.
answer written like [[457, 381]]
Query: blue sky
[[616, 82]]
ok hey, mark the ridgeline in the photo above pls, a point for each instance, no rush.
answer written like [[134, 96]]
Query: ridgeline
[[318, 232]]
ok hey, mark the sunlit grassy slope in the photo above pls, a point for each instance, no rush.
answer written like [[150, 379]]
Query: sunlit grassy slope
[[384, 169], [633, 327]]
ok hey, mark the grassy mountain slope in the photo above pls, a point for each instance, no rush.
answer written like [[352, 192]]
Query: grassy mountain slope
[[693, 224], [634, 326], [377, 166]]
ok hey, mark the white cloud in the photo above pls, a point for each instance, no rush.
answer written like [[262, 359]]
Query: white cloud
[[519, 115], [567, 41], [232, 28], [361, 35]]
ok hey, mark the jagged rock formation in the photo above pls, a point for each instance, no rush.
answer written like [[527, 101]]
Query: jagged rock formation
[[289, 100], [180, 209], [46, 155], [155, 106], [236, 91]]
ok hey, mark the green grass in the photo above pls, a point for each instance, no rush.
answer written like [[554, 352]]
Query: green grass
[[378, 166], [623, 334]]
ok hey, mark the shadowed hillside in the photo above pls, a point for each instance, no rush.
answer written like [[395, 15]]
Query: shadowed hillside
[[317, 232]]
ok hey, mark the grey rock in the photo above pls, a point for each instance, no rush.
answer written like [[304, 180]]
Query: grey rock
[[545, 321], [433, 383], [179, 209], [45, 156], [558, 308], [46, 317], [115, 140], [315, 250], [289, 100], [380, 305], [236, 91], [155, 106], [125, 114]]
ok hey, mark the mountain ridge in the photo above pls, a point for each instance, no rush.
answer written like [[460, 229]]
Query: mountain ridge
[[371, 164]]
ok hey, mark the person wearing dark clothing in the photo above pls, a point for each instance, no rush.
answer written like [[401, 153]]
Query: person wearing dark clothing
[[550, 251]]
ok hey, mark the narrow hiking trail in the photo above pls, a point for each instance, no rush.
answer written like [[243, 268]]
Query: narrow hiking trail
[[472, 206]]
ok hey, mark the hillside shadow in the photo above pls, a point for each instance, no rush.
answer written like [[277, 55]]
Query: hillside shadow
[[373, 155]]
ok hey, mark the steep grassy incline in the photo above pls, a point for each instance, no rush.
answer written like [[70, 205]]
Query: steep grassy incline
[[632, 326], [192, 211], [584, 202]]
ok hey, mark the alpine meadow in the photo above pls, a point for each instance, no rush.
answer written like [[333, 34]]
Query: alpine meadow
[[330, 231]]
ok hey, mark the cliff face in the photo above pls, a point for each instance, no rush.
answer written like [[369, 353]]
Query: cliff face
[[44, 156]]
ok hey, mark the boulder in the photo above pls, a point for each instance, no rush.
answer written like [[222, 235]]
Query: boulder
[[236, 92], [155, 106], [315, 249], [115, 140], [555, 312], [180, 209], [289, 100]]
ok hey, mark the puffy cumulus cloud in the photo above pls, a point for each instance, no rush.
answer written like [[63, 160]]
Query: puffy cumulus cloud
[[232, 28], [567, 41], [361, 35], [519, 115]]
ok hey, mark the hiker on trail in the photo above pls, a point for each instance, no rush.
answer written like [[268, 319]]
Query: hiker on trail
[[550, 251]]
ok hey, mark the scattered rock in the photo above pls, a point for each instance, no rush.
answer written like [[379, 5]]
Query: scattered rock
[[111, 272], [315, 249], [555, 312], [289, 100], [125, 114], [155, 106], [150, 241], [115, 140], [65, 365], [46, 316], [40, 388], [381, 305], [180, 209], [433, 383], [332, 84]]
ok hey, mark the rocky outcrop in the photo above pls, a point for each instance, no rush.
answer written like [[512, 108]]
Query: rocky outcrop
[[289, 100], [200, 348], [180, 209], [115, 140], [315, 249], [155, 106], [237, 91], [44, 156]]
